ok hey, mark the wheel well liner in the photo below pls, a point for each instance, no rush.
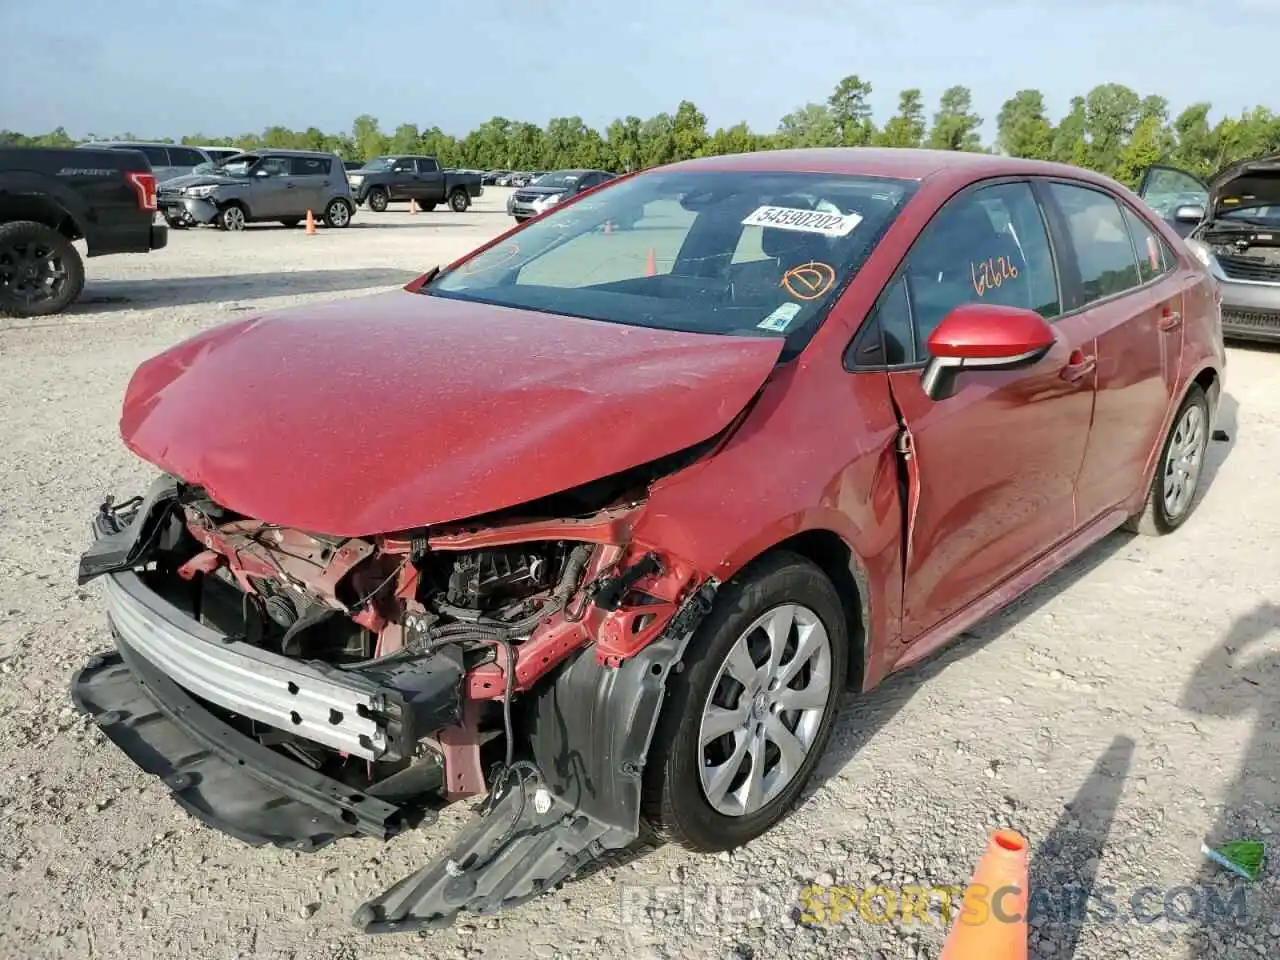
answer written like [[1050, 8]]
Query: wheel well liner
[[835, 558], [38, 209]]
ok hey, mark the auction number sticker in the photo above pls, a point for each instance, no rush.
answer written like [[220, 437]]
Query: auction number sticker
[[804, 221]]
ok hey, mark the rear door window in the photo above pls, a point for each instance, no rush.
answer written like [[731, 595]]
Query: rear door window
[[308, 166], [1100, 239], [158, 156], [428, 165], [1154, 256]]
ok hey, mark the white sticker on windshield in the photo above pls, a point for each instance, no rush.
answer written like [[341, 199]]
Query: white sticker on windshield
[[805, 221], [780, 319]]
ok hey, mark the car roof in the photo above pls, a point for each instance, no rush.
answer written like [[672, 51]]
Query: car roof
[[282, 152], [897, 162]]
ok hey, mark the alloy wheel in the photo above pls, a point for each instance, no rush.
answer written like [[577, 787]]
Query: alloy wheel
[[1183, 462], [765, 710], [33, 273]]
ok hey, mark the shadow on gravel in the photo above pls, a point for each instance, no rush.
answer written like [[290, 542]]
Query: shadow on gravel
[[865, 714], [107, 295], [1228, 421], [1232, 916], [1064, 867]]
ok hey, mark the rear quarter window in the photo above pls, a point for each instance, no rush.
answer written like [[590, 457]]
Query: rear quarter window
[[309, 166]]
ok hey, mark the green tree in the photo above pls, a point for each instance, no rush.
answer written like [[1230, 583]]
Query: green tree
[[812, 125], [906, 127], [1069, 144], [1023, 129], [1110, 115], [955, 125], [851, 113], [688, 131]]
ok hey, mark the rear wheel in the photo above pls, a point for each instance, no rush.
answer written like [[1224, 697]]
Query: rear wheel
[[426, 207], [745, 722], [1177, 479], [41, 273], [378, 199], [232, 217], [337, 214], [459, 201]]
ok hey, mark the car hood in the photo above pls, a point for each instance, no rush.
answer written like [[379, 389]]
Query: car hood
[[201, 180], [545, 191], [400, 410], [1251, 182]]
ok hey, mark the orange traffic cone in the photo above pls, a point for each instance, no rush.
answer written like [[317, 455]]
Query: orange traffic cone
[[650, 267], [311, 223], [413, 205], [993, 917], [608, 227]]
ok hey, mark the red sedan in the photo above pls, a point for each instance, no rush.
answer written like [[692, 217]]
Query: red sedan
[[600, 520]]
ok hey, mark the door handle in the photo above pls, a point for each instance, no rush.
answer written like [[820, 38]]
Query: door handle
[[1170, 319], [1078, 367]]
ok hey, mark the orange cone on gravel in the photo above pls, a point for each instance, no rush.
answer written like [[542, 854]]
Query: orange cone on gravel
[[992, 924], [650, 267], [311, 223]]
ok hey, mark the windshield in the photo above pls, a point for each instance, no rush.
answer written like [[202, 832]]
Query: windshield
[[379, 165], [737, 253], [1266, 216], [564, 179]]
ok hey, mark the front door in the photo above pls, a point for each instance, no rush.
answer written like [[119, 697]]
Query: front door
[[1166, 189], [269, 194], [995, 463], [1130, 293]]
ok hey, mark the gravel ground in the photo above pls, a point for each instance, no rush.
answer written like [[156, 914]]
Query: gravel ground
[[1120, 714]]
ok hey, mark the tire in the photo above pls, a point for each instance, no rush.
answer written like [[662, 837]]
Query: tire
[[41, 287], [459, 201], [675, 802], [337, 214], [378, 199], [232, 217], [426, 207], [1172, 495], [291, 223]]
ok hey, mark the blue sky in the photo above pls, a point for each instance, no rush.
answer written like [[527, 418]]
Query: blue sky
[[232, 66]]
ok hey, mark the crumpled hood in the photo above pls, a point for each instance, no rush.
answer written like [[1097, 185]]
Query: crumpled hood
[[383, 413], [200, 180]]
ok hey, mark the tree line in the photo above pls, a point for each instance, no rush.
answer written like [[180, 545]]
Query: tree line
[[1112, 129]]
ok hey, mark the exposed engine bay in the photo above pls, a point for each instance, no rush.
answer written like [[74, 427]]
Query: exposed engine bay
[[1246, 251], [502, 606]]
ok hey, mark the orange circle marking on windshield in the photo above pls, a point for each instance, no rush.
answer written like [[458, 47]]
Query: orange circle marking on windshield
[[810, 280], [508, 253]]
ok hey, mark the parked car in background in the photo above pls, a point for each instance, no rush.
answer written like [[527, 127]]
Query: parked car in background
[[1232, 224], [404, 177], [168, 160], [49, 198], [258, 186], [553, 188], [219, 154], [490, 179], [623, 529], [352, 164]]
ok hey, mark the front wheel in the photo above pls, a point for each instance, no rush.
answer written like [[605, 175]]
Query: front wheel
[[745, 722], [1172, 494], [337, 214], [459, 201], [232, 217], [41, 273]]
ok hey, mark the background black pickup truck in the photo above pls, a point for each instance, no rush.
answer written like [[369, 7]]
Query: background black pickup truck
[[412, 178], [49, 198]]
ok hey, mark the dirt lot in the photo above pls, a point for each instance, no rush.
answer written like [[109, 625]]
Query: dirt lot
[[1120, 714]]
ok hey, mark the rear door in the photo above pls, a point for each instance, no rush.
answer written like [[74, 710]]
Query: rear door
[[1166, 188], [995, 464], [307, 182], [1124, 288], [430, 183]]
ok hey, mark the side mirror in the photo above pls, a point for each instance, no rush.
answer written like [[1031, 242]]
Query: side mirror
[[983, 336], [1189, 213]]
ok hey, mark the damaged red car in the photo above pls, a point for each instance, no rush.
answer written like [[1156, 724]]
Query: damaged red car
[[597, 524]]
